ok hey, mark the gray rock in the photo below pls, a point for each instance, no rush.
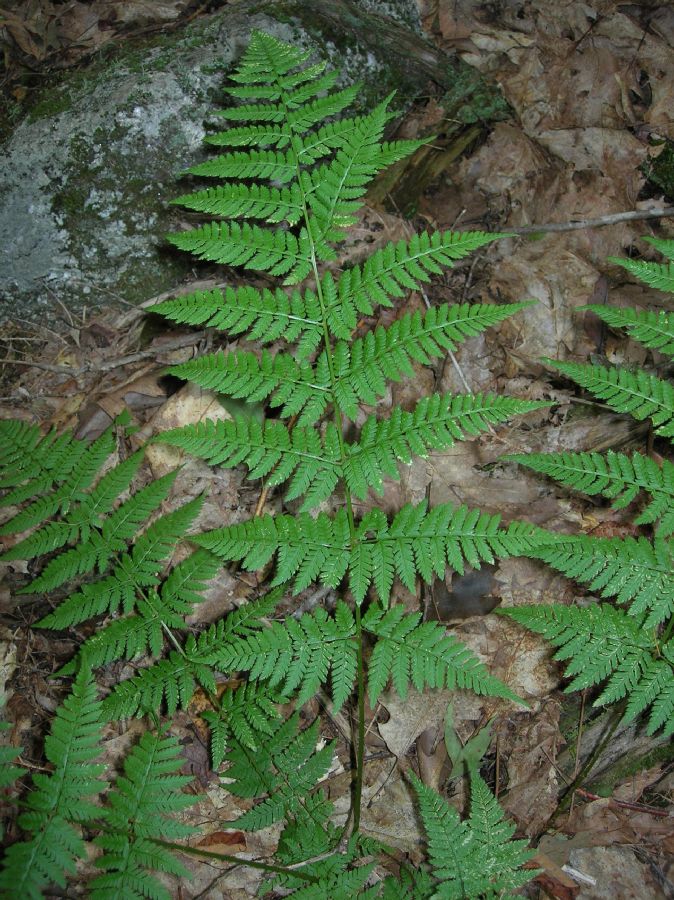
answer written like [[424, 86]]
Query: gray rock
[[89, 172]]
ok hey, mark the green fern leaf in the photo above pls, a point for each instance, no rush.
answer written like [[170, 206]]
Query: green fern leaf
[[634, 571], [398, 268], [652, 329], [71, 488], [249, 713], [605, 644], [32, 463], [616, 476], [424, 654], [265, 315], [248, 201], [284, 769], [116, 530], [139, 813], [641, 395], [173, 681], [416, 541], [475, 858], [58, 798], [82, 517], [653, 274], [254, 248], [135, 571], [297, 655]]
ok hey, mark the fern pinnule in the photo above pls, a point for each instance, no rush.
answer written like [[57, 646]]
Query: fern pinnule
[[111, 537], [284, 769], [139, 813], [654, 274], [266, 316], [59, 798], [650, 328], [637, 572], [248, 712], [31, 462], [173, 680]]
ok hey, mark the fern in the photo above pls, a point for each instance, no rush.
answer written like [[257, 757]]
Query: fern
[[617, 477], [606, 645], [477, 857], [641, 395], [58, 799], [422, 653], [288, 184], [313, 464], [284, 769], [629, 651], [137, 816], [417, 540]]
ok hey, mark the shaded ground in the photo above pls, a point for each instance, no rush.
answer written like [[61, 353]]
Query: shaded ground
[[590, 89]]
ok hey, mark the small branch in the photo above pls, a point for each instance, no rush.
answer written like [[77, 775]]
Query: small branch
[[238, 861], [613, 219]]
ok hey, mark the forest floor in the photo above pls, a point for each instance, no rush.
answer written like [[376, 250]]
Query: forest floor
[[591, 88]]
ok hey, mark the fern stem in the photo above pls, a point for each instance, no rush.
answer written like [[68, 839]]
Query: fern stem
[[339, 425], [238, 861], [360, 743]]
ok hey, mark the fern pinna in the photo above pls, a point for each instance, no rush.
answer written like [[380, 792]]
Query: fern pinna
[[290, 184], [628, 648]]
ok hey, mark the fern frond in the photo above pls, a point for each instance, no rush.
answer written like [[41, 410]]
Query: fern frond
[[641, 395], [636, 572], [82, 517], [436, 422], [134, 571], [71, 488], [364, 367], [116, 530], [58, 799], [296, 388], [298, 655], [653, 274], [138, 814], [32, 463], [605, 644], [616, 476], [652, 329], [284, 769], [408, 650], [477, 857], [173, 680], [248, 712], [416, 541], [312, 463], [247, 201], [265, 315]]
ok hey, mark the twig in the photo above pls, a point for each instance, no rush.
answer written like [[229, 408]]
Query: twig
[[613, 219], [183, 341], [625, 804]]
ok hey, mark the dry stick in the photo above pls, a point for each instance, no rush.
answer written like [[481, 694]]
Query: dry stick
[[613, 219], [183, 341]]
